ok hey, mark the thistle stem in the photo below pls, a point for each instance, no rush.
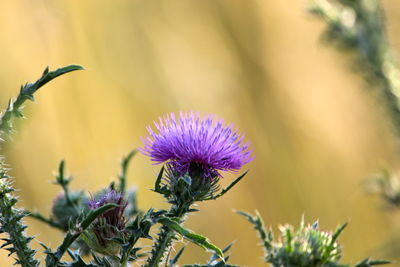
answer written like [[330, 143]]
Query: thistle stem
[[125, 256], [48, 221], [166, 235], [11, 223]]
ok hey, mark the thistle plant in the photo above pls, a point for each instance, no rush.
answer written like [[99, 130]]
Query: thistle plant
[[195, 150], [11, 218], [108, 224], [105, 228], [305, 247]]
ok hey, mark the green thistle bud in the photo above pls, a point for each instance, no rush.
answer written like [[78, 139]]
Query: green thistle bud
[[65, 211]]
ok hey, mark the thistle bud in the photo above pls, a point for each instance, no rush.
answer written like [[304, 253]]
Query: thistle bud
[[106, 232], [65, 212]]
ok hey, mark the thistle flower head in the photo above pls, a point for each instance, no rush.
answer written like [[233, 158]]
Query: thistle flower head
[[108, 226], [113, 217], [194, 145]]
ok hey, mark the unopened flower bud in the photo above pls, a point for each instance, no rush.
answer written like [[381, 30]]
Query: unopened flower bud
[[105, 233]]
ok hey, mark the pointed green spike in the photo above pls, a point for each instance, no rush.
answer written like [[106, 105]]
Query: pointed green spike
[[224, 191]]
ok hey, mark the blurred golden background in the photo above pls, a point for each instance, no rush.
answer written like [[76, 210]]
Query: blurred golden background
[[316, 132]]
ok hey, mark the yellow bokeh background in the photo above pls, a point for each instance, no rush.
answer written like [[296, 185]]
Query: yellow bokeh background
[[315, 130]]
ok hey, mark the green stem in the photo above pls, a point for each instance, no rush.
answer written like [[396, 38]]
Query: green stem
[[125, 257], [50, 222], [10, 222], [166, 235], [163, 243], [67, 196], [124, 169]]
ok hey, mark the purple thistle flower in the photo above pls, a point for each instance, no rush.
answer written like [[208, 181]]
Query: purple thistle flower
[[192, 143]]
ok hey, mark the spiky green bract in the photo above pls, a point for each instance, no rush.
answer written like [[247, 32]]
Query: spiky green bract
[[179, 190], [189, 188], [359, 26], [176, 258], [11, 223], [308, 246]]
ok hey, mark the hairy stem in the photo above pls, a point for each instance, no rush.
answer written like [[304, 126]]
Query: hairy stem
[[166, 235], [125, 256], [10, 221]]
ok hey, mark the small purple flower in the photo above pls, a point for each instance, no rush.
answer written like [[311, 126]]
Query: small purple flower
[[114, 216], [109, 225], [192, 143]]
